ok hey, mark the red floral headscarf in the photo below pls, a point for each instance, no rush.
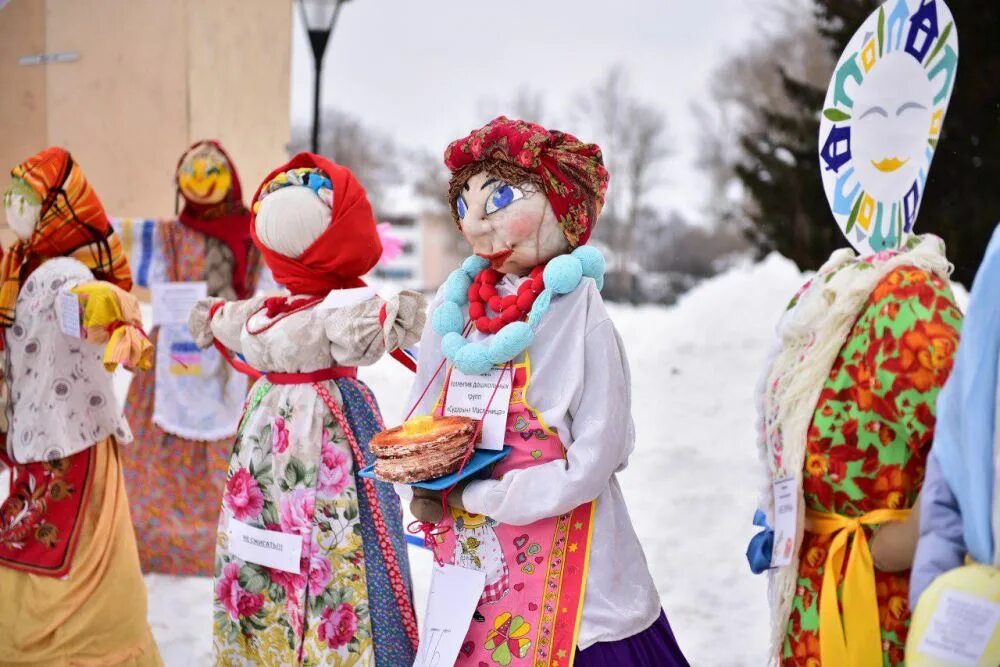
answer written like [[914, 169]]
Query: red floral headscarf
[[348, 249], [570, 171], [72, 223]]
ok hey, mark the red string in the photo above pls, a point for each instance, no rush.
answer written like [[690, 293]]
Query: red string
[[429, 529], [282, 314], [242, 367]]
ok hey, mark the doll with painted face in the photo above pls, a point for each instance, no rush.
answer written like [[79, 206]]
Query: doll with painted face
[[565, 573], [186, 411], [847, 405], [72, 590]]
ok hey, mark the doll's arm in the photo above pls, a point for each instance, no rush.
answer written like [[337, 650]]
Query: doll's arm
[[210, 321], [601, 440], [941, 546], [360, 335], [111, 317]]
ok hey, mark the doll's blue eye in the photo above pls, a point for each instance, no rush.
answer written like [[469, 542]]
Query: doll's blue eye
[[461, 208], [502, 197]]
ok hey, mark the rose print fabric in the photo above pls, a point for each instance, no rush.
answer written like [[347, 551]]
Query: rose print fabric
[[870, 436], [293, 471]]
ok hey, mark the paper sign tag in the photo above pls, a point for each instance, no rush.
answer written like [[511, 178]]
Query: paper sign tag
[[272, 548], [453, 597], [961, 628], [343, 298], [173, 302], [468, 396], [786, 520], [68, 313]]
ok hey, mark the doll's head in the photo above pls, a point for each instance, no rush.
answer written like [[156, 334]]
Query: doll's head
[[522, 194], [314, 226], [205, 175], [23, 208]]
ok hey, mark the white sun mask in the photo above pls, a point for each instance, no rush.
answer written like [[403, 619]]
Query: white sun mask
[[513, 226], [882, 119], [22, 210]]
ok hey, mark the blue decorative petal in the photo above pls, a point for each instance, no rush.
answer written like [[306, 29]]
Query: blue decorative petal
[[473, 359], [456, 288], [510, 342], [474, 265], [447, 318], [451, 344], [563, 274], [591, 260]]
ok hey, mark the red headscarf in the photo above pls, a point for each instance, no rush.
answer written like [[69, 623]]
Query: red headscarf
[[348, 249], [72, 223], [228, 221], [571, 172]]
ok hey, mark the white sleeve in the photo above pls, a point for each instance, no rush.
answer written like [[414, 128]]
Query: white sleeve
[[602, 436]]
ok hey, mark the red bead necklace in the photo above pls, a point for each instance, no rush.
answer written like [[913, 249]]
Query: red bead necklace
[[483, 297]]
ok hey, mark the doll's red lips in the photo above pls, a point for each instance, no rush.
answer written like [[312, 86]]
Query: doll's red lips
[[497, 259]]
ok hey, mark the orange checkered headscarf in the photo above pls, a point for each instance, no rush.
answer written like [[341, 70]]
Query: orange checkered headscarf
[[72, 223]]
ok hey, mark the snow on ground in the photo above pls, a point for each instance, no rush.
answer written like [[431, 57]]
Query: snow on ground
[[691, 485]]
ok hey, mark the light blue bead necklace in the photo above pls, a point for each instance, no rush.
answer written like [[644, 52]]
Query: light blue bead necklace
[[562, 275]]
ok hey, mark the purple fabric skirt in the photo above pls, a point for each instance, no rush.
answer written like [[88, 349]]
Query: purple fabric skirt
[[653, 647]]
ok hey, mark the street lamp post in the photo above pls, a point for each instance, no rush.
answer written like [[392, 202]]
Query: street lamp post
[[319, 18]]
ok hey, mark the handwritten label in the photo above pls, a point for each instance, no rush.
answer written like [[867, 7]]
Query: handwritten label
[[68, 313], [272, 548], [468, 396], [454, 594], [173, 302], [961, 628], [786, 510]]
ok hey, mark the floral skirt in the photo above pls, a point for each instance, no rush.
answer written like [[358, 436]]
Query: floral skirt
[[293, 472], [96, 614]]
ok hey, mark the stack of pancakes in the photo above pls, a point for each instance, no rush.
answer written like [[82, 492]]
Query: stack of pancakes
[[422, 449]]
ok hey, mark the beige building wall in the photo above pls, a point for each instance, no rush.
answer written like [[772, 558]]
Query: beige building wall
[[152, 77]]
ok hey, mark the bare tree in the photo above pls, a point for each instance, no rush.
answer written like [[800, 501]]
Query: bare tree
[[634, 139], [526, 104], [747, 86]]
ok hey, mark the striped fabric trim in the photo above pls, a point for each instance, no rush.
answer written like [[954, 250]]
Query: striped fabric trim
[[138, 238]]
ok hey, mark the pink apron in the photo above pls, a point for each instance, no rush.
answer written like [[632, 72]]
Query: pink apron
[[536, 575]]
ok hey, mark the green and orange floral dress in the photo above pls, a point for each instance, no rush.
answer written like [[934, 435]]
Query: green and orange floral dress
[[870, 437]]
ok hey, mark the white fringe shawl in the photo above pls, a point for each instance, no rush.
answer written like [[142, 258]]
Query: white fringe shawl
[[810, 336]]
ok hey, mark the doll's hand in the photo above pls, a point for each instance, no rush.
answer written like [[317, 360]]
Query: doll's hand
[[894, 544], [426, 505]]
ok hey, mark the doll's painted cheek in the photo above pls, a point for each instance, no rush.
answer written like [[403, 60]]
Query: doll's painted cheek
[[523, 227]]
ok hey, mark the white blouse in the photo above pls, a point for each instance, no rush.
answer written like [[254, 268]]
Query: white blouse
[[581, 385]]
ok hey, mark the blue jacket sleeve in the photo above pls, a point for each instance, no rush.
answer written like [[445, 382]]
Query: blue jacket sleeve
[[941, 547]]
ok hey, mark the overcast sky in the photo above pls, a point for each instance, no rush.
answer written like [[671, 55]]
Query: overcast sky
[[418, 71]]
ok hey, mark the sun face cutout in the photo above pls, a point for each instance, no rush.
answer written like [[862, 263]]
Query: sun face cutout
[[882, 119], [204, 176]]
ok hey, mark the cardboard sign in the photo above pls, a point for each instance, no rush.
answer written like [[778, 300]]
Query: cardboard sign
[[961, 628], [454, 594], [173, 302], [882, 120], [468, 396], [786, 520], [272, 548], [68, 313]]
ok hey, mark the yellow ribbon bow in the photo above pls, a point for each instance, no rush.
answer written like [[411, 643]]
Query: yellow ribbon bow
[[856, 638]]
